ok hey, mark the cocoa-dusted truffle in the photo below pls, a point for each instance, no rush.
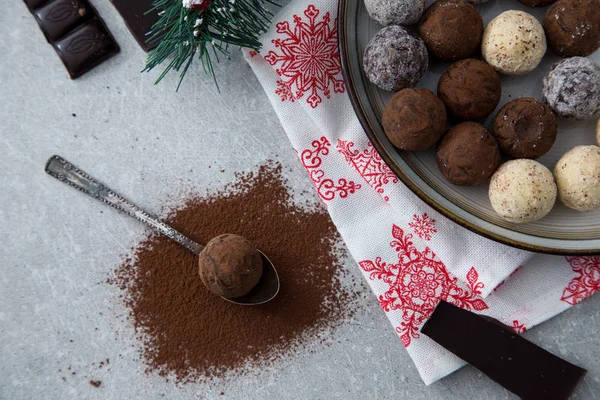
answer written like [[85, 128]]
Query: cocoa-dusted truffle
[[525, 128], [414, 119], [394, 59], [572, 88], [470, 89], [537, 3], [451, 29], [230, 266], [396, 12], [468, 154], [573, 27]]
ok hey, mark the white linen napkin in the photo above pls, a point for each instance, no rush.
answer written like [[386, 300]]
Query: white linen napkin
[[411, 255]]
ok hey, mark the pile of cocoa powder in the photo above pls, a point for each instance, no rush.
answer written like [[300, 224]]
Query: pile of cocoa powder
[[188, 333]]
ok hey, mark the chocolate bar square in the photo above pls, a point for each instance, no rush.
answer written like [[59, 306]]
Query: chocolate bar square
[[85, 47]]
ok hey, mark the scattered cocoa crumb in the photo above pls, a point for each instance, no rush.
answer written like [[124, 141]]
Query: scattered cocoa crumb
[[95, 384]]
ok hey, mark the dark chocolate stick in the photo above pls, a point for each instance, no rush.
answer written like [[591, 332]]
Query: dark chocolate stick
[[138, 20], [496, 350], [76, 32]]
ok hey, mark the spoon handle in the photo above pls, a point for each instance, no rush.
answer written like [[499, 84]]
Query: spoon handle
[[66, 172]]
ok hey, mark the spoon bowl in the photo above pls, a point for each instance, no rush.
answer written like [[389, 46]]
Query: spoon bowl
[[266, 288]]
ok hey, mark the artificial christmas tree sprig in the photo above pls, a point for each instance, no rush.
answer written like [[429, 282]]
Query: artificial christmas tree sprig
[[203, 28]]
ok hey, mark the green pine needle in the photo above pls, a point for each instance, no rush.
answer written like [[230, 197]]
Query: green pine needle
[[224, 23]]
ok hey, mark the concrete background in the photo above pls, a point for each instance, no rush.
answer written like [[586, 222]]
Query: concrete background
[[152, 145]]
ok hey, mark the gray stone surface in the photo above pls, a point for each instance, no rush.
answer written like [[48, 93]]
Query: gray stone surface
[[153, 145]]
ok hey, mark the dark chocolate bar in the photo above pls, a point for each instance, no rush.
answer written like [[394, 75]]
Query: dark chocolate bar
[[33, 4], [138, 21], [76, 32], [496, 350]]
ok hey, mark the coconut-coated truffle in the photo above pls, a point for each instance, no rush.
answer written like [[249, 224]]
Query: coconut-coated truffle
[[572, 88], [537, 3], [471, 89], [230, 266], [468, 154], [394, 59], [514, 43], [522, 191], [395, 12], [525, 128], [414, 119], [451, 29], [573, 27], [577, 176]]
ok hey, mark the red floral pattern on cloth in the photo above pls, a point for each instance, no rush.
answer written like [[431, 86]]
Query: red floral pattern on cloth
[[417, 282], [423, 226], [253, 53], [368, 164], [587, 281], [310, 60], [518, 327], [312, 159]]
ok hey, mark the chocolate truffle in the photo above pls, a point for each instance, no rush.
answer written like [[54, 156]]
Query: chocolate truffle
[[451, 29], [577, 176], [573, 27], [395, 12], [394, 59], [478, 1], [471, 89], [572, 88], [514, 43], [414, 119], [522, 191], [468, 154], [525, 128], [537, 3], [230, 266]]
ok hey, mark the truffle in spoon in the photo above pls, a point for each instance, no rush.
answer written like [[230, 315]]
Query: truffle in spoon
[[230, 266]]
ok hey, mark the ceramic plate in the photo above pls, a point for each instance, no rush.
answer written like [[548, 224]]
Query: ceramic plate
[[563, 231]]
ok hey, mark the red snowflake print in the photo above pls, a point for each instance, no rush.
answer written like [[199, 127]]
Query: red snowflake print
[[309, 59], [423, 226], [417, 282], [368, 164], [587, 281], [253, 53], [518, 327], [327, 188]]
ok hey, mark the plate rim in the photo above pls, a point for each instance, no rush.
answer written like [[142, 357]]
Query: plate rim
[[364, 122]]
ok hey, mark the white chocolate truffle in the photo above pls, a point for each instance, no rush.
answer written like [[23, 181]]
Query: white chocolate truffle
[[577, 175], [395, 12], [514, 43], [522, 191]]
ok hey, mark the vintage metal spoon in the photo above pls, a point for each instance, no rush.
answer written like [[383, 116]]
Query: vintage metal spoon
[[266, 289]]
